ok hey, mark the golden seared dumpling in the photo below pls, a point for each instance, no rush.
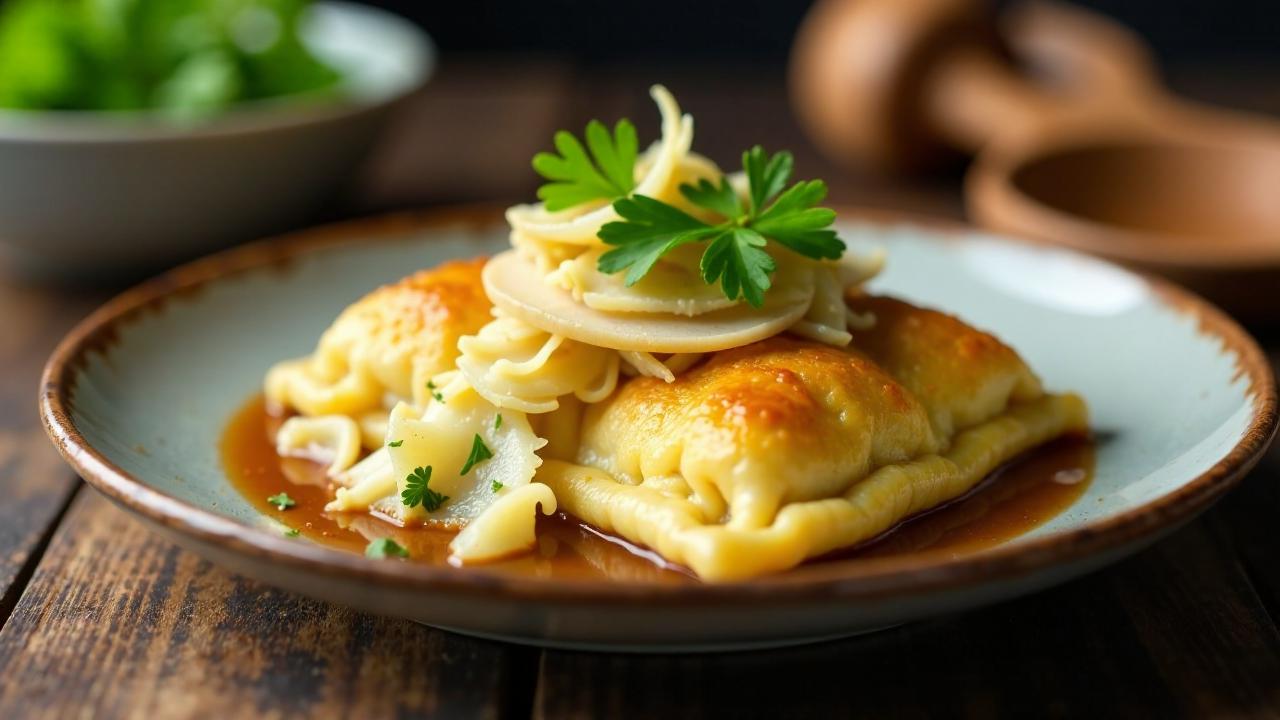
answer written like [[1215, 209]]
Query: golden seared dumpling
[[817, 415], [786, 449], [388, 343], [962, 375]]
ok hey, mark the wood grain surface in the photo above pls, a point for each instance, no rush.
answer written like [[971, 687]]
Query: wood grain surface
[[101, 618]]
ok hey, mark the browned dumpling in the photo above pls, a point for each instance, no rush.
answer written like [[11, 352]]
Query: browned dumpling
[[785, 449], [388, 343]]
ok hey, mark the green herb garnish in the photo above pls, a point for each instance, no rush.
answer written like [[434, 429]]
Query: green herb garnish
[[395, 443], [496, 486], [282, 501], [497, 422], [479, 453], [187, 58], [383, 548], [735, 254], [292, 532], [434, 392], [416, 491], [576, 179]]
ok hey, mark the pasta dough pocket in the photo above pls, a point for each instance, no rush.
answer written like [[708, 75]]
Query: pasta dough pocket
[[786, 449], [388, 343]]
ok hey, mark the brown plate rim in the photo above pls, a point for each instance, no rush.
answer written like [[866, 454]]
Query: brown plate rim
[[871, 580]]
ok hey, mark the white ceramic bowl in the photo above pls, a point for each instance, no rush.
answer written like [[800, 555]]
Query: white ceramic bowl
[[99, 194]]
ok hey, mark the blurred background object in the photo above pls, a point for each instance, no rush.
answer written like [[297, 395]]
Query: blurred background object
[[138, 133], [1076, 141], [184, 57], [728, 63], [1183, 33]]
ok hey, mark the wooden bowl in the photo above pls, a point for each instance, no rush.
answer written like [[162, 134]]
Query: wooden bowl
[[1075, 141]]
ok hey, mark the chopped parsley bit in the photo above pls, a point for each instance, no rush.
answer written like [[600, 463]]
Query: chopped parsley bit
[[435, 393], [497, 422], [395, 443], [282, 501], [496, 486], [416, 491], [479, 453], [292, 532], [383, 548], [734, 252]]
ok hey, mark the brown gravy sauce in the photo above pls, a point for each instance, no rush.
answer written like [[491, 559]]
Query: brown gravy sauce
[[1014, 500]]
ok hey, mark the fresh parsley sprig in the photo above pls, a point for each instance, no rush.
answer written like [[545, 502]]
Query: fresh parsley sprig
[[416, 491], [609, 172], [735, 254]]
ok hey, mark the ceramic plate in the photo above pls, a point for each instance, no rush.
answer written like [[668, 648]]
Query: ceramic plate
[[1183, 404]]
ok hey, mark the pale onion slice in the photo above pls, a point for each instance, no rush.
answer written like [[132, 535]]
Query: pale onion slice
[[514, 285], [673, 286], [505, 528], [441, 437], [577, 227]]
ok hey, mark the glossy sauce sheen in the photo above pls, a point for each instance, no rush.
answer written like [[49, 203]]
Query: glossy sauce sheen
[[1014, 500]]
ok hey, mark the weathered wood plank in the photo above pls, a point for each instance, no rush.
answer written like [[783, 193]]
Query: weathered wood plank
[[34, 482], [1246, 521], [1176, 629], [1203, 625], [118, 622]]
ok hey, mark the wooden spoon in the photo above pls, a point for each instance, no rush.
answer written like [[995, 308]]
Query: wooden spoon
[[1075, 140]]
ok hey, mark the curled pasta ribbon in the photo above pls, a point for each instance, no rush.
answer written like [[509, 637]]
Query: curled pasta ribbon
[[317, 387], [648, 365], [517, 366], [829, 319], [506, 527], [333, 440], [656, 174]]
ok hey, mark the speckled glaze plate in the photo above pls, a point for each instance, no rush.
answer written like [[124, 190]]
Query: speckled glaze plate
[[1182, 399]]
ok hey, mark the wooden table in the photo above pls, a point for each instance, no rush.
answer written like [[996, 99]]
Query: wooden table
[[101, 618]]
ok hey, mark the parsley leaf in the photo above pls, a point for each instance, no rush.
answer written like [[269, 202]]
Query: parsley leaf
[[416, 491], [576, 178], [479, 453], [735, 254], [720, 198], [496, 486], [765, 176], [497, 422], [282, 501], [737, 260], [383, 548], [292, 532], [435, 393], [650, 229], [395, 443]]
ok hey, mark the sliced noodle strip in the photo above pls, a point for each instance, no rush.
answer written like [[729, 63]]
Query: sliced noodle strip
[[646, 364]]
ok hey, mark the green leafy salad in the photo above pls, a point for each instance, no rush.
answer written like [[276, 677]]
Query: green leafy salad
[[182, 57]]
